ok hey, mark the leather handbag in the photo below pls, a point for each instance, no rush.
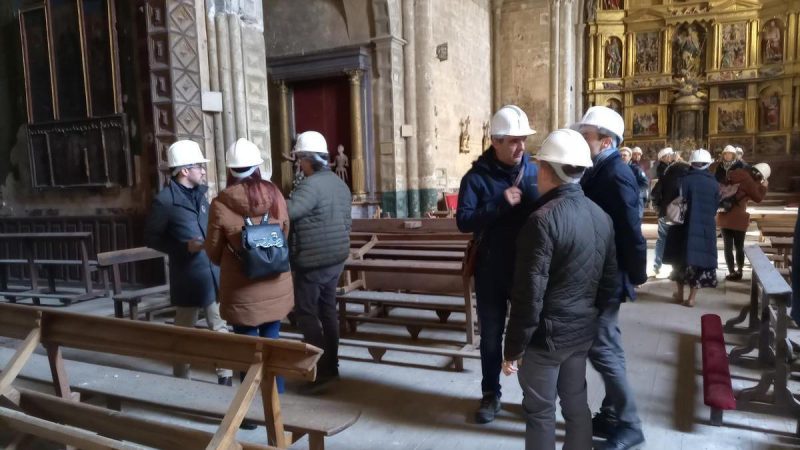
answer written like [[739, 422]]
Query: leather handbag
[[264, 251], [676, 210], [470, 258]]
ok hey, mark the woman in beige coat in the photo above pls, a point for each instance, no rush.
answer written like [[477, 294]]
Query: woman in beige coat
[[253, 307]]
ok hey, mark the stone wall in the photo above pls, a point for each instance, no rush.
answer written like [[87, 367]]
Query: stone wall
[[295, 27], [461, 84], [524, 60]]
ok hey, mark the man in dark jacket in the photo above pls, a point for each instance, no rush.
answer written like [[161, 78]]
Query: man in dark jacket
[[177, 226], [495, 199], [319, 243], [565, 268], [611, 185], [641, 178]]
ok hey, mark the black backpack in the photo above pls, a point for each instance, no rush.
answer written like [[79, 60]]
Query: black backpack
[[264, 249]]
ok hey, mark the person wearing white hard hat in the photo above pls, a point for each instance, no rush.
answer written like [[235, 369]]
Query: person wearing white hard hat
[[692, 246], [320, 213], [727, 163], [740, 154], [732, 217], [626, 154], [631, 157], [254, 307], [177, 225], [611, 184], [565, 267], [664, 159], [495, 198]]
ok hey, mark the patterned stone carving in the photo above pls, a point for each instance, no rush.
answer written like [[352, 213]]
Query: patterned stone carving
[[174, 73]]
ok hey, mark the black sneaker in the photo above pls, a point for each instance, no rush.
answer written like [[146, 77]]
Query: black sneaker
[[225, 381], [489, 407], [625, 438], [603, 425]]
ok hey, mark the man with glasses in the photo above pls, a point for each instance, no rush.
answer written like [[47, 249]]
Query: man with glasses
[[177, 226]]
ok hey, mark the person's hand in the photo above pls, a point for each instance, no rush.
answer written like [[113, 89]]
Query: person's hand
[[195, 245], [513, 195], [511, 367]]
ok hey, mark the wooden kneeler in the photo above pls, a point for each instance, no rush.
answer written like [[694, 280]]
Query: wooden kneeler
[[63, 419]]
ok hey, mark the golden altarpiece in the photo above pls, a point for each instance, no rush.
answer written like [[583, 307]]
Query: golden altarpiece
[[698, 73]]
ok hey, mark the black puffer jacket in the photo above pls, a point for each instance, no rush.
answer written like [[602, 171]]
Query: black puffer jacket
[[566, 268]]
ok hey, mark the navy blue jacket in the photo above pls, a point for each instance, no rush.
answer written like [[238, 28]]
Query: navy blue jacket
[[701, 192], [796, 273], [174, 220], [610, 184], [483, 211], [641, 180]]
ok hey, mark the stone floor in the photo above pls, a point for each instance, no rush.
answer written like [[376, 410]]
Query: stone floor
[[406, 406]]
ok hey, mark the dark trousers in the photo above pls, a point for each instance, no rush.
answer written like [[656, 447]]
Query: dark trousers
[[733, 239], [542, 376], [492, 291], [608, 358], [266, 330], [315, 310]]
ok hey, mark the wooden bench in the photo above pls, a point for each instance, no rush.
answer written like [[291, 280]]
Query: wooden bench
[[121, 386], [64, 420], [717, 388], [770, 297], [144, 300], [28, 242]]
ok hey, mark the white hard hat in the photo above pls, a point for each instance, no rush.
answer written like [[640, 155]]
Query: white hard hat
[[605, 119], [565, 146], [763, 169], [510, 120], [626, 150], [243, 153], [739, 151], [312, 142], [700, 156], [637, 150], [729, 149], [184, 153], [666, 151]]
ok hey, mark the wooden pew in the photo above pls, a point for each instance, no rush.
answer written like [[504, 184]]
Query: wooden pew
[[28, 243], [69, 421], [145, 300], [770, 298]]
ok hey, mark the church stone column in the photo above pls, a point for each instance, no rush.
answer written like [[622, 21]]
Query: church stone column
[[425, 54], [287, 168], [567, 55], [554, 63], [357, 142]]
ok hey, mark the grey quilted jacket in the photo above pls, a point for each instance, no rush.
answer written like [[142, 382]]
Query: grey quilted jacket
[[565, 270], [320, 215]]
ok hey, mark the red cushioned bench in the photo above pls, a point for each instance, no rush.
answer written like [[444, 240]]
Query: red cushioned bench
[[717, 389]]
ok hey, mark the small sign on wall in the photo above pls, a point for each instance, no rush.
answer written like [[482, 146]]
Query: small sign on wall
[[441, 52]]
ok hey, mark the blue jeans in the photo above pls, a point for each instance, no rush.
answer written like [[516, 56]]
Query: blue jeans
[[266, 330], [661, 242], [492, 292], [608, 358]]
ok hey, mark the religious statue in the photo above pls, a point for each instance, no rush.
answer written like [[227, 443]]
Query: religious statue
[[771, 112], [486, 142], [591, 10], [688, 86], [341, 164], [771, 42], [687, 51], [612, 4], [614, 58], [463, 139]]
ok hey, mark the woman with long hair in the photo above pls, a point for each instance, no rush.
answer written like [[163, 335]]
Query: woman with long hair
[[254, 307]]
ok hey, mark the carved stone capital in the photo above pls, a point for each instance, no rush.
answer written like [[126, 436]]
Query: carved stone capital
[[354, 75]]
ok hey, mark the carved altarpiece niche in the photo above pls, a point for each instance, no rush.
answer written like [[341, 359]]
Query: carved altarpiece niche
[[700, 74]]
